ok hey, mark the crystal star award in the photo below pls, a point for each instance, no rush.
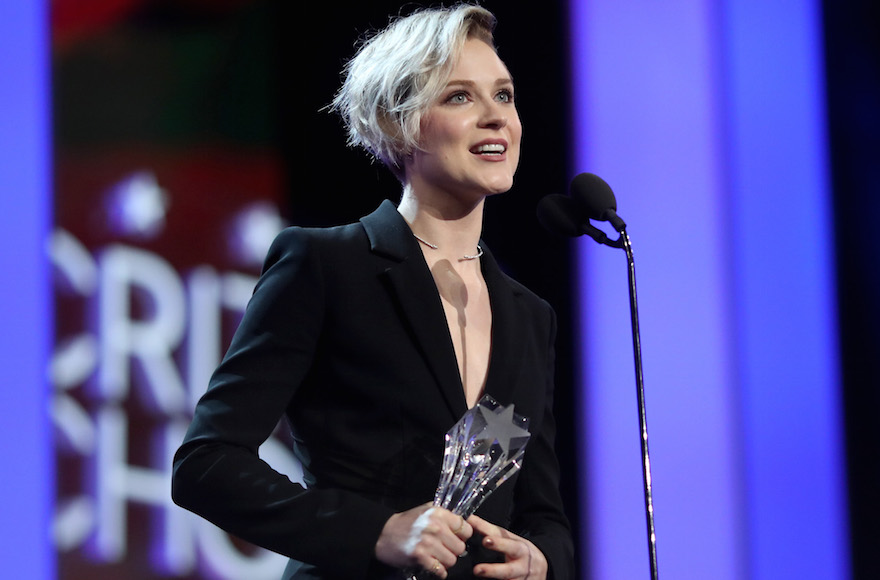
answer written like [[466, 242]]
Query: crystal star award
[[483, 450]]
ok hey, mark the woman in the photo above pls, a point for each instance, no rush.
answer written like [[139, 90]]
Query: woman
[[374, 338]]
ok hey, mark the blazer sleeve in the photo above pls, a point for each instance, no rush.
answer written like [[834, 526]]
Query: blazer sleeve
[[217, 471], [538, 514]]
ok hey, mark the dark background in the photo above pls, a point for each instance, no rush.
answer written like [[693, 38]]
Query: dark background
[[852, 34]]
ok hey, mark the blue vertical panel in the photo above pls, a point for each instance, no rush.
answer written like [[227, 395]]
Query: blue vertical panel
[[25, 449], [785, 291], [646, 94], [707, 119]]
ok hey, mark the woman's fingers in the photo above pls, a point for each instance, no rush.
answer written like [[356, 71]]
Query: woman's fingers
[[449, 528], [432, 539], [484, 527], [462, 529], [522, 560], [512, 548], [425, 536]]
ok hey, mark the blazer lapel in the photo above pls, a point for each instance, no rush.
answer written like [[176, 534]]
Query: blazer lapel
[[507, 331], [413, 288]]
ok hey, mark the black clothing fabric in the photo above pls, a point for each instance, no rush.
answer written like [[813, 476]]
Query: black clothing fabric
[[346, 335]]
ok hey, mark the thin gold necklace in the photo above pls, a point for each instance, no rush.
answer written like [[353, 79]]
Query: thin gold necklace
[[462, 259]]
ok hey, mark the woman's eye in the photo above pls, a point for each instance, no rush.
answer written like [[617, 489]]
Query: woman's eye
[[457, 98], [505, 96]]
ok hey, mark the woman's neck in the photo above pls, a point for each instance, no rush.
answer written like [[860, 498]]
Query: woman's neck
[[449, 228]]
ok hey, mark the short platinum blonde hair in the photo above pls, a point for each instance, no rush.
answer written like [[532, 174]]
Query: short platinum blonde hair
[[398, 73]]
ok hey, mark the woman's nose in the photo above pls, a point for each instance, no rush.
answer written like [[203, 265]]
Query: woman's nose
[[494, 115]]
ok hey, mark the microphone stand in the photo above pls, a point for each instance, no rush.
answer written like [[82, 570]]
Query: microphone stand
[[571, 217], [624, 243]]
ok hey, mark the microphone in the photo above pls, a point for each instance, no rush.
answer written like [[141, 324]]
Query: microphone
[[560, 214], [591, 198], [596, 200]]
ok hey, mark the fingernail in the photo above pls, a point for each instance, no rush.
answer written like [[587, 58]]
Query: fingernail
[[489, 542]]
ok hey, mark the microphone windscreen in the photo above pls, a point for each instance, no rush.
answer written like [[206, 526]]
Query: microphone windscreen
[[557, 213], [593, 196]]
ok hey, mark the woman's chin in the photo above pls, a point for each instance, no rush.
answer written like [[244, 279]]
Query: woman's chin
[[502, 186]]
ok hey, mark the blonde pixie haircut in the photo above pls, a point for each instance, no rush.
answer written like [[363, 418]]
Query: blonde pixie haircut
[[398, 73]]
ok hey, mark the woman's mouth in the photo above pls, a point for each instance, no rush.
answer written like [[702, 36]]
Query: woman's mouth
[[492, 149]]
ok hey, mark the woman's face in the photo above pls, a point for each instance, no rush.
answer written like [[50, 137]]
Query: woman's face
[[470, 138]]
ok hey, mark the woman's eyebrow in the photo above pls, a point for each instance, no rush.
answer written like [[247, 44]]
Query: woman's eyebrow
[[469, 83]]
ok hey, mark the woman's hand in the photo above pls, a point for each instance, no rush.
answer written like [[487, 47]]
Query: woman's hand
[[522, 559], [424, 536]]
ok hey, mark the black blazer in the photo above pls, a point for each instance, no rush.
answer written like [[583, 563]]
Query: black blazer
[[346, 336]]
